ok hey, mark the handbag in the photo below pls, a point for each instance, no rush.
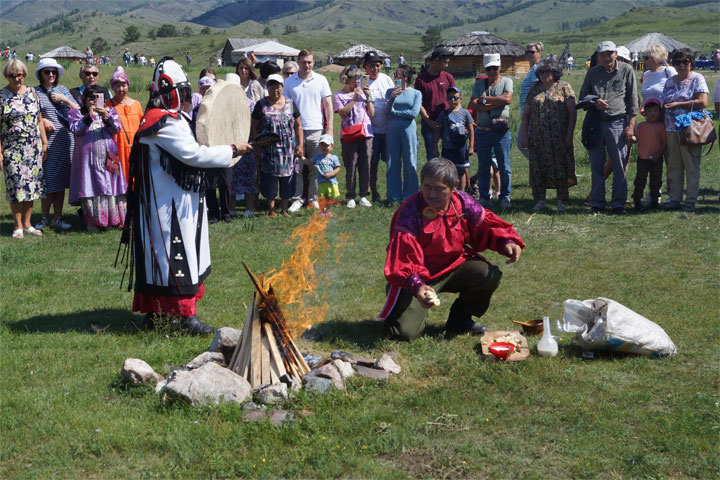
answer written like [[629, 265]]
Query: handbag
[[699, 132], [499, 124], [353, 133], [112, 163]]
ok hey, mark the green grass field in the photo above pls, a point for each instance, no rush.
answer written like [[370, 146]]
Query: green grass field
[[66, 413]]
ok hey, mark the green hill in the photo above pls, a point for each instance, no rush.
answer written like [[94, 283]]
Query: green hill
[[684, 24]]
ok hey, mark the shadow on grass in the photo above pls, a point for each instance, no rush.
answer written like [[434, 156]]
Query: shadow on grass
[[364, 334], [100, 322]]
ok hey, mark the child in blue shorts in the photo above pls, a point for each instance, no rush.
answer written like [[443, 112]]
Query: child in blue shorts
[[328, 166], [456, 127]]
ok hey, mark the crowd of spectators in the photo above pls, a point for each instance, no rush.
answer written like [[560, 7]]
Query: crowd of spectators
[[56, 138]]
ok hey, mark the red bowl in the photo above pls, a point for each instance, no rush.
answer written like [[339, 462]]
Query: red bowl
[[501, 350]]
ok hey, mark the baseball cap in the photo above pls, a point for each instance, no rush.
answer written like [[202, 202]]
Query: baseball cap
[[372, 57], [651, 101], [441, 52], [491, 60], [454, 89], [623, 52], [326, 139], [606, 46], [275, 78]]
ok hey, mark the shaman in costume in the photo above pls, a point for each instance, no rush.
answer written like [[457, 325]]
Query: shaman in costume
[[168, 178]]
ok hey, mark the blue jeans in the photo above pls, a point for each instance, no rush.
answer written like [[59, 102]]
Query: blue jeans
[[611, 138], [428, 135], [402, 146], [485, 142]]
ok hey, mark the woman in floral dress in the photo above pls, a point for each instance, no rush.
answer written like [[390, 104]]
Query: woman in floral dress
[[278, 161], [97, 181], [548, 123], [23, 147]]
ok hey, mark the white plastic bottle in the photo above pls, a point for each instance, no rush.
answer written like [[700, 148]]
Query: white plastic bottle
[[547, 346]]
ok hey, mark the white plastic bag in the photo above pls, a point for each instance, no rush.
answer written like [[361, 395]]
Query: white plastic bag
[[604, 324]]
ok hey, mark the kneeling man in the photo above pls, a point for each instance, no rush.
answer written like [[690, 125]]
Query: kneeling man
[[435, 237]]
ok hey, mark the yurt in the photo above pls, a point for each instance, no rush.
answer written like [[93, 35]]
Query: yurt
[[355, 54], [643, 43], [64, 53], [471, 47]]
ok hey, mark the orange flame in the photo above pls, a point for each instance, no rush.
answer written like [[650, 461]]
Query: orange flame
[[296, 282]]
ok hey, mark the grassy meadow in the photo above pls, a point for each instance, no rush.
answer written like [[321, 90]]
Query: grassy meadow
[[66, 413]]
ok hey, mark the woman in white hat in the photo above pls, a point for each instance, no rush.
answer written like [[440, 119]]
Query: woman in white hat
[[55, 105]]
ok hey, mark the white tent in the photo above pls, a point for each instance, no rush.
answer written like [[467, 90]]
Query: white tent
[[643, 43], [271, 50]]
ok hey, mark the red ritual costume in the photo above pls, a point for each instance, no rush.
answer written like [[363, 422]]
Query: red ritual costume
[[426, 245]]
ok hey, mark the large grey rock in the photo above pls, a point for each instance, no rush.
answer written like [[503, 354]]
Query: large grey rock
[[207, 357], [374, 373], [330, 372], [347, 357], [138, 372], [225, 341], [293, 383], [274, 393], [365, 362], [386, 362], [344, 368], [311, 359], [317, 385], [160, 386], [209, 383]]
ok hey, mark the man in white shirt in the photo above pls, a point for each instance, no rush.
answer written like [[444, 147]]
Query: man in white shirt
[[311, 94], [379, 85]]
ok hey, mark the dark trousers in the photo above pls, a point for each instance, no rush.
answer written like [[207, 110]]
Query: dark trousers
[[356, 157], [653, 168], [475, 281], [379, 151], [227, 205]]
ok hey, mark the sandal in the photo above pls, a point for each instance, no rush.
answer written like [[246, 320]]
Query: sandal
[[34, 232], [18, 234]]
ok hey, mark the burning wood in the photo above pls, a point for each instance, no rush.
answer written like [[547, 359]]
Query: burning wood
[[267, 351]]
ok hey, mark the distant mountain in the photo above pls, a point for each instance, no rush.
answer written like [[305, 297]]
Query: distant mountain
[[32, 12], [257, 10]]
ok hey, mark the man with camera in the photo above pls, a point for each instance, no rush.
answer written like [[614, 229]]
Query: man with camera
[[379, 84]]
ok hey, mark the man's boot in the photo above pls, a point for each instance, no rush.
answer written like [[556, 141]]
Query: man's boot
[[460, 321], [193, 326]]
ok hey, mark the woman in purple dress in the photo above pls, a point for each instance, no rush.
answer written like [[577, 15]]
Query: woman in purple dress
[[97, 181]]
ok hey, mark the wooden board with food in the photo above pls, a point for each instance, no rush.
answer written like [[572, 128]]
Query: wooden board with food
[[520, 352]]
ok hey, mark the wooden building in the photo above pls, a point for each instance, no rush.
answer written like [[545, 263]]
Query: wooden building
[[355, 55], [235, 44], [469, 51]]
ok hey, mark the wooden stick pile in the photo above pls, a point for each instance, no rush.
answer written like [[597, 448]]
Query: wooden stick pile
[[267, 352]]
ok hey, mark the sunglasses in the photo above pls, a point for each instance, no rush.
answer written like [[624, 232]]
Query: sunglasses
[[15, 75], [646, 57], [50, 72], [287, 74], [681, 62], [530, 52], [91, 74], [491, 69], [454, 97]]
